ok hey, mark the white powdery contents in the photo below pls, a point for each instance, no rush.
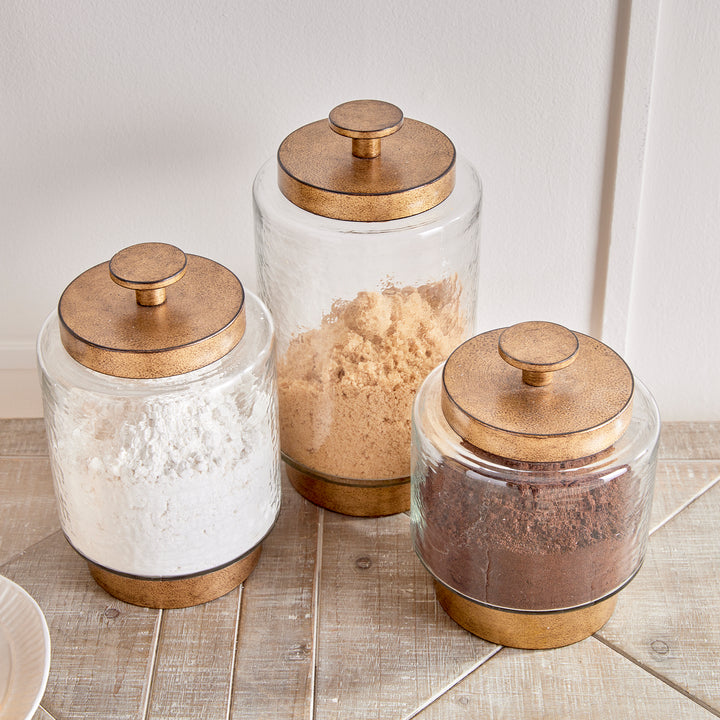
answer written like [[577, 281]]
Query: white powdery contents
[[167, 485]]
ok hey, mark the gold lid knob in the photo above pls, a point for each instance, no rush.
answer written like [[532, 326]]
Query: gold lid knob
[[366, 122], [538, 349], [148, 268]]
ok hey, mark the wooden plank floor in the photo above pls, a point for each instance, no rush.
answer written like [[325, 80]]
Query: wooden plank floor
[[339, 619]]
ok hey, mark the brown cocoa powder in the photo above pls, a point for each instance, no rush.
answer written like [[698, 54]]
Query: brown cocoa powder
[[546, 542], [346, 388]]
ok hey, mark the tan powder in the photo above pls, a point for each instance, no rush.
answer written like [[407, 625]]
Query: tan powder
[[346, 388]]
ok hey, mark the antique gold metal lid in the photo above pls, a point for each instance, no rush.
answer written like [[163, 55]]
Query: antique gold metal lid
[[392, 167], [186, 312], [572, 398]]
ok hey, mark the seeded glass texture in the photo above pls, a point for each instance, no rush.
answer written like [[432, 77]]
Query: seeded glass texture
[[360, 308]]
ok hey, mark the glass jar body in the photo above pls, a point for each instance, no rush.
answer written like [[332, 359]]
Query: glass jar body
[[537, 537], [363, 312], [165, 477]]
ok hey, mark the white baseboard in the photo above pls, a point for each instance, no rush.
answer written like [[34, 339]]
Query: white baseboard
[[17, 355], [19, 384]]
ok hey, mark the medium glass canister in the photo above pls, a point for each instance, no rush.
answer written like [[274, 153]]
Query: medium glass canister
[[534, 454], [367, 241], [160, 401]]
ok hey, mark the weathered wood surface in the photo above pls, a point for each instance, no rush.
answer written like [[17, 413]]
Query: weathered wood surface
[[339, 619], [24, 436], [28, 512], [384, 643], [678, 483], [690, 441], [99, 646], [586, 680], [667, 620], [192, 677], [275, 659]]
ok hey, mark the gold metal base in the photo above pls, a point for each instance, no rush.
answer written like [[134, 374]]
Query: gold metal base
[[357, 500], [178, 593], [532, 631]]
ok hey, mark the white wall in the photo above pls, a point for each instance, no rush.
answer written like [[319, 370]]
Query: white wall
[[674, 318], [591, 125]]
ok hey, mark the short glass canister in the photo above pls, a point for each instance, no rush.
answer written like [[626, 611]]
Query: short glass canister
[[160, 400], [367, 241], [534, 454]]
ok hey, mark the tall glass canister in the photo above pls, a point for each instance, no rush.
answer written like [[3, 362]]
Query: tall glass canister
[[367, 242]]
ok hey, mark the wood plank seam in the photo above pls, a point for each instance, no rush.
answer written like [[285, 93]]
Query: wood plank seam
[[236, 644], [152, 665], [455, 681], [657, 675], [317, 578], [686, 505]]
